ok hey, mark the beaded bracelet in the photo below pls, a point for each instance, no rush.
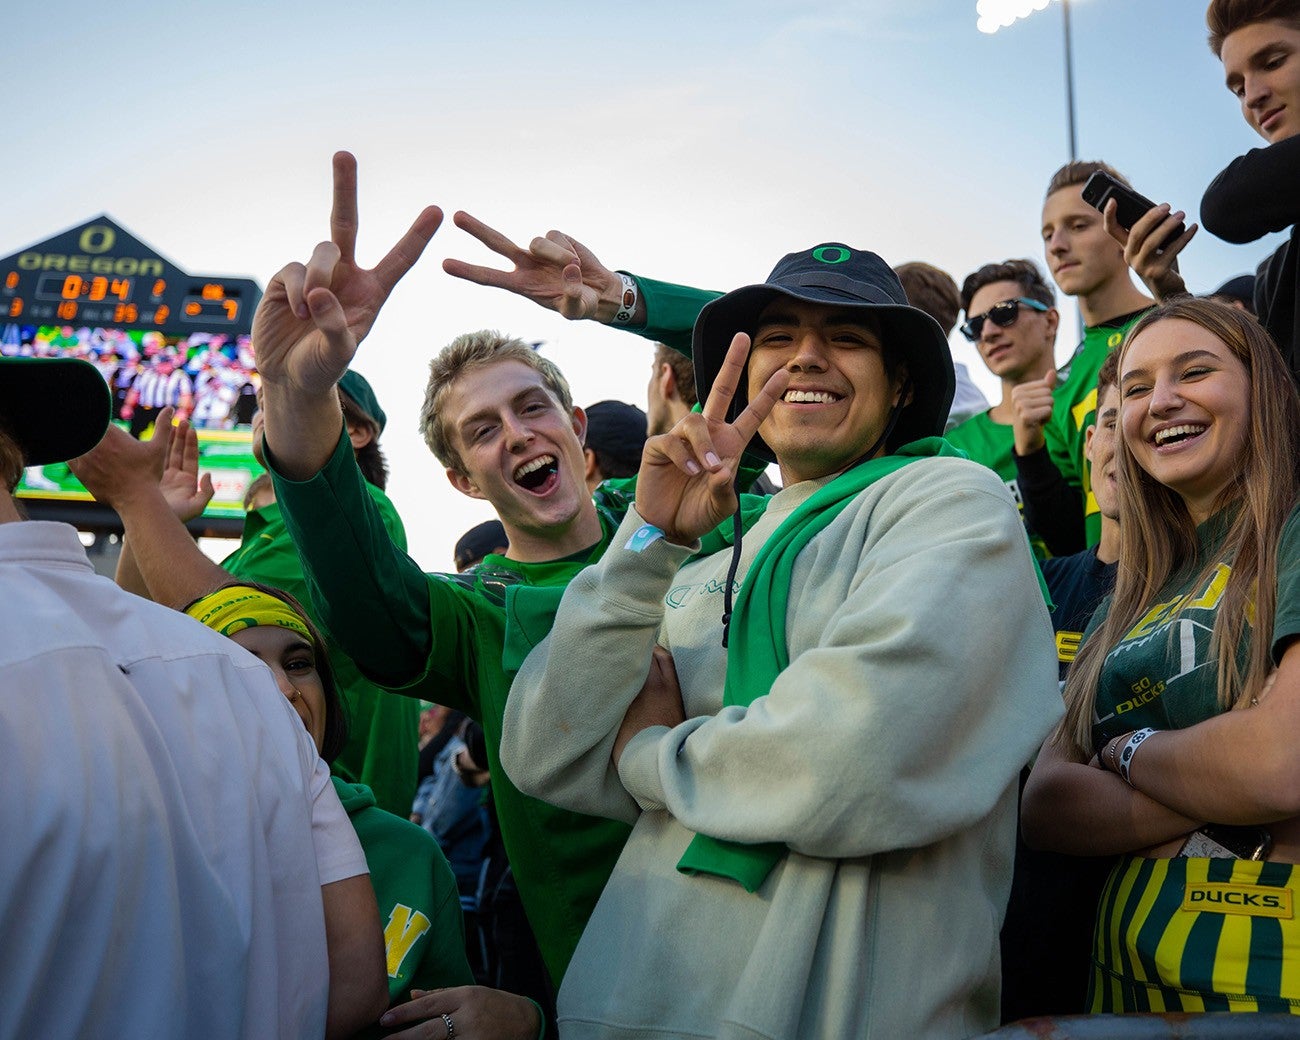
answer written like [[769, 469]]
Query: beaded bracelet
[[1108, 754]]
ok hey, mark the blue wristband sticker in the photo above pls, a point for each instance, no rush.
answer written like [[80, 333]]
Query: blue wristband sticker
[[645, 535]]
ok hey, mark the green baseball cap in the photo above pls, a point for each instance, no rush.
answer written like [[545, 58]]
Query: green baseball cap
[[354, 384]]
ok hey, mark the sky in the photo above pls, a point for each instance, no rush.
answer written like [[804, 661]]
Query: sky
[[694, 142]]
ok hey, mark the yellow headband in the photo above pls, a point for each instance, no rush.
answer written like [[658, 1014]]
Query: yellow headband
[[237, 607]]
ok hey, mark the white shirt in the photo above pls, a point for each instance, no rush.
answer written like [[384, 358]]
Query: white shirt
[[165, 821]]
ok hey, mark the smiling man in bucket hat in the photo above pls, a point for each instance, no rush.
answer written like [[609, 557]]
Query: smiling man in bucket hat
[[813, 805]]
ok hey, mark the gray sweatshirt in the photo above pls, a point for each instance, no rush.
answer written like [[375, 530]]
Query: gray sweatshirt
[[922, 677]]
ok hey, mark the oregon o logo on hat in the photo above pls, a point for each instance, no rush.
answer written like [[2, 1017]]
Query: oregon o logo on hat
[[831, 254]]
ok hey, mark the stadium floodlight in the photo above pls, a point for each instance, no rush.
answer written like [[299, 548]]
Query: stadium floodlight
[[1002, 14]]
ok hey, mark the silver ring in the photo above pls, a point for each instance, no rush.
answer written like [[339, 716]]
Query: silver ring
[[451, 1028]]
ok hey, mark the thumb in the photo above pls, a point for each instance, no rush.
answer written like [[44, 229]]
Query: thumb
[[571, 303], [327, 314], [1049, 380]]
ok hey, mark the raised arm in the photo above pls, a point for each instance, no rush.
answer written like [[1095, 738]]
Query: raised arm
[[1051, 505], [310, 322], [373, 599], [124, 473], [1145, 250], [559, 273]]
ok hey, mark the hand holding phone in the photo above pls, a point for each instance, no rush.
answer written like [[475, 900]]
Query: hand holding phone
[[1130, 206]]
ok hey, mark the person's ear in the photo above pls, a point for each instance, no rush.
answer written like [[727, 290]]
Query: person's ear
[[360, 434], [1053, 318], [903, 391], [579, 423], [667, 382], [1087, 441], [462, 483]]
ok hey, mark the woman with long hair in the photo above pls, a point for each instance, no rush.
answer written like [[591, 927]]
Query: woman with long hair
[[1178, 748]]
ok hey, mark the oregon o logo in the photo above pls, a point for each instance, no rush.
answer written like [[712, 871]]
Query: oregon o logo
[[97, 239], [831, 254], [1116, 338], [238, 625]]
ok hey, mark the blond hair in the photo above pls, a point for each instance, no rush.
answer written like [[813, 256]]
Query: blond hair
[[466, 353]]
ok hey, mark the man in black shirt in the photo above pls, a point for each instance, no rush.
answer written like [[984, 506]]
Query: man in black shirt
[[1259, 44]]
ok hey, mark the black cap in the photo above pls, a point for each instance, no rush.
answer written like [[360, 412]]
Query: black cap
[[1240, 288], [477, 542], [836, 275], [618, 429], [55, 408]]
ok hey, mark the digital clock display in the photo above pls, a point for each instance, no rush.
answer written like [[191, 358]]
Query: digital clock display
[[211, 303], [92, 288]]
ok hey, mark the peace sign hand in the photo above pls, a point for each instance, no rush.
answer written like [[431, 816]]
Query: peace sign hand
[[685, 486], [556, 272], [312, 317]]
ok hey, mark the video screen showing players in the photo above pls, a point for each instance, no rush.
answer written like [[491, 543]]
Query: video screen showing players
[[209, 378]]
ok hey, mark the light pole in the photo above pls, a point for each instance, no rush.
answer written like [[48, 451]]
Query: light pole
[[1000, 14]]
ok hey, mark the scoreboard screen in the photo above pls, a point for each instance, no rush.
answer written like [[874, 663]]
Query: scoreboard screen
[[159, 335]]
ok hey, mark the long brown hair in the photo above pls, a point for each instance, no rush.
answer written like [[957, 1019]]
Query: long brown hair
[[1159, 536]]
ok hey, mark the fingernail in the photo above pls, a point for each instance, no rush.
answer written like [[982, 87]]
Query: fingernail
[[385, 1018], [711, 459], [692, 467]]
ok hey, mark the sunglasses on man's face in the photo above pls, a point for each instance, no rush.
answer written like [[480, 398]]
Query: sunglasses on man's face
[[1001, 314]]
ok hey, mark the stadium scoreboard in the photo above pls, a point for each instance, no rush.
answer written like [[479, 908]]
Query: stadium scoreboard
[[98, 274], [159, 335]]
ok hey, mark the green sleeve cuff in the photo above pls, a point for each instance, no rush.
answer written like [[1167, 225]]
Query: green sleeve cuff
[[671, 311]]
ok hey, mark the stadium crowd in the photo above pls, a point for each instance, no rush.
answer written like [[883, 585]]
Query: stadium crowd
[[981, 712]]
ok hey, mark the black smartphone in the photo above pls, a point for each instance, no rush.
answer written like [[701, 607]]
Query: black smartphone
[[1101, 187]]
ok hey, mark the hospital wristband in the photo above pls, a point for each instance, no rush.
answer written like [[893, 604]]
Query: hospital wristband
[[643, 537]]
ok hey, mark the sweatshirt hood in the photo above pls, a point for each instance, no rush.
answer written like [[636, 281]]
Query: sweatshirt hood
[[354, 797]]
